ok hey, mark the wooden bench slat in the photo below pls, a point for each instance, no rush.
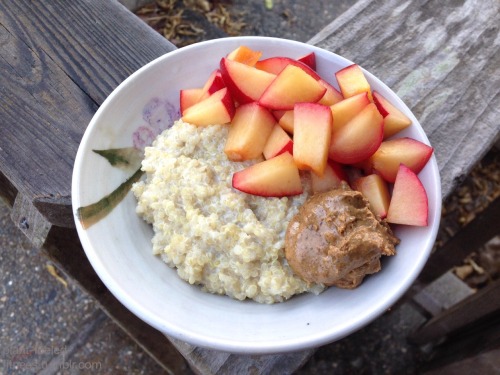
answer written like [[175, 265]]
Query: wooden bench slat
[[58, 68], [96, 43], [475, 307], [470, 238], [475, 350], [33, 118], [207, 361]]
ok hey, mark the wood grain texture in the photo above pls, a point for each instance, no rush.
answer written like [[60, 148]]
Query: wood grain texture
[[29, 220], [59, 61], [478, 306], [442, 58], [470, 238], [206, 361]]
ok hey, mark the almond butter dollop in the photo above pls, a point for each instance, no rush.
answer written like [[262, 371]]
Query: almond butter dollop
[[335, 239]]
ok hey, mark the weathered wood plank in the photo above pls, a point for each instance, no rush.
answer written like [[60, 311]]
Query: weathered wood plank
[[60, 60], [444, 292], [442, 58], [471, 309], [468, 239], [97, 43], [41, 109], [465, 360], [206, 361], [471, 342], [29, 220]]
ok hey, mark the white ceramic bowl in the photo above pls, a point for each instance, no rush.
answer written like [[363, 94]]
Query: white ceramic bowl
[[118, 246]]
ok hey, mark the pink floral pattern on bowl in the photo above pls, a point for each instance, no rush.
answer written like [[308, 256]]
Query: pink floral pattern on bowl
[[158, 115]]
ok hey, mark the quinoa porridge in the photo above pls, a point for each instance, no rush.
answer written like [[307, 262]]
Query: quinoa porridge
[[226, 241]]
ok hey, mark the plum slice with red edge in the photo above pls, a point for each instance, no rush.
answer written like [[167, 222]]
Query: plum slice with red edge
[[409, 203]]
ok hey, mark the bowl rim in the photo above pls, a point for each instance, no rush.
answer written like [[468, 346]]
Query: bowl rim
[[192, 337]]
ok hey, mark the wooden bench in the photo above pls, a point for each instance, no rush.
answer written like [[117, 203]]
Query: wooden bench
[[61, 59]]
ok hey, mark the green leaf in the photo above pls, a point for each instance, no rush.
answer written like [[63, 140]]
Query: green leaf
[[127, 157], [91, 214]]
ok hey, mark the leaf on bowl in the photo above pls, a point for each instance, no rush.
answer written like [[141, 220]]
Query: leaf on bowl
[[126, 158], [91, 214]]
